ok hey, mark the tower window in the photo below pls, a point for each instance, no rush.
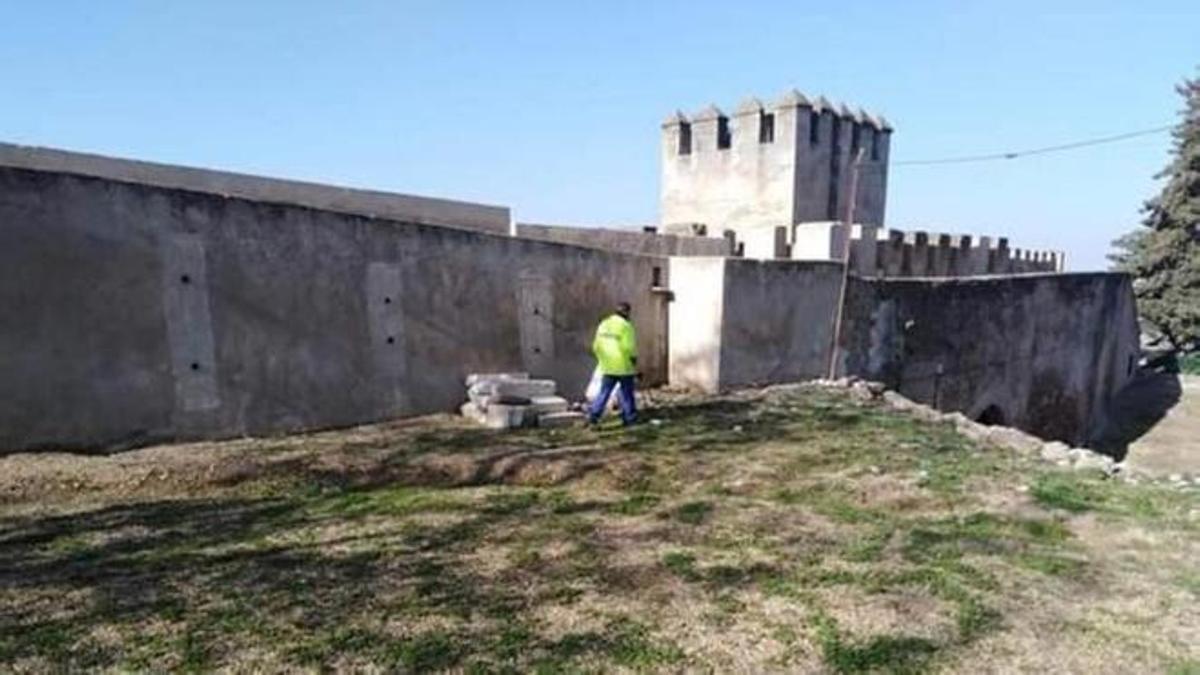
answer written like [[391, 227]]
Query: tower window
[[875, 147], [814, 128], [724, 137], [855, 139], [766, 127], [685, 139]]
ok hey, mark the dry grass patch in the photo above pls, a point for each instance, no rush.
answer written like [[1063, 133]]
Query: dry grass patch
[[792, 529]]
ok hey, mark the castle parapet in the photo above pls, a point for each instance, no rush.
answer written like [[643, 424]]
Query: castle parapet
[[896, 253]]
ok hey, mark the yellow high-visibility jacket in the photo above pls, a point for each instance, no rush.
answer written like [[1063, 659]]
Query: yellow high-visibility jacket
[[615, 346]]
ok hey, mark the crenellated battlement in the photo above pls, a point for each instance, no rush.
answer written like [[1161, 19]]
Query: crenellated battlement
[[711, 128], [763, 163], [880, 252]]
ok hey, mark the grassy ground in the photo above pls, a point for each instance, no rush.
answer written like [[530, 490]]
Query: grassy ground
[[787, 530]]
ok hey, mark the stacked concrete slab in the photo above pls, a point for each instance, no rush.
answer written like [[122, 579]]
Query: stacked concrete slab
[[514, 400]]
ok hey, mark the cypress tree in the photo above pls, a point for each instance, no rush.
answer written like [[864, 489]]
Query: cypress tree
[[1163, 255]]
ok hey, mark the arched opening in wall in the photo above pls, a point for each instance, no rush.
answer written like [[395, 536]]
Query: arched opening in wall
[[991, 416]]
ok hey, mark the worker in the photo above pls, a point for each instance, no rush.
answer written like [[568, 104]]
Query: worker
[[615, 348]]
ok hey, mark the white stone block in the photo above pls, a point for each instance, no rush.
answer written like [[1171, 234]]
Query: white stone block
[[561, 419], [502, 416], [542, 405], [475, 378], [524, 388], [473, 412]]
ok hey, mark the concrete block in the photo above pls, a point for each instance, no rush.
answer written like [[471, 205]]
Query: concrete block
[[512, 392], [475, 378], [473, 412], [561, 419], [542, 405], [529, 389], [503, 416], [499, 415]]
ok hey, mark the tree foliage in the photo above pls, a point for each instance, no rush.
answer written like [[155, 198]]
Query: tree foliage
[[1163, 255]]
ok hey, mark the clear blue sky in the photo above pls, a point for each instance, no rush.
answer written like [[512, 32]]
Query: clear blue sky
[[553, 107]]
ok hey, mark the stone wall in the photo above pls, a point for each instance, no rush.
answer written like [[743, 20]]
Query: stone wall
[[628, 241], [877, 252], [1043, 353], [133, 313], [390, 205], [738, 322]]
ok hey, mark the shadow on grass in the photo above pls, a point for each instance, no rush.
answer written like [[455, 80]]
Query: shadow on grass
[[376, 562], [1136, 409], [197, 583]]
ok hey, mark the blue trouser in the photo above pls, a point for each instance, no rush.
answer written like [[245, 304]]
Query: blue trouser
[[624, 397]]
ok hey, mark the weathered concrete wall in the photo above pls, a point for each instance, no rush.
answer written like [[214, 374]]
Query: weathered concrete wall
[[739, 322], [778, 320], [132, 313], [628, 241], [393, 206], [876, 252], [1045, 353], [783, 164]]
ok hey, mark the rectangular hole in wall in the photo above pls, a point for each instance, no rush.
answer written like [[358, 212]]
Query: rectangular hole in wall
[[724, 136], [685, 139], [855, 139], [875, 147], [766, 127], [814, 128], [656, 277]]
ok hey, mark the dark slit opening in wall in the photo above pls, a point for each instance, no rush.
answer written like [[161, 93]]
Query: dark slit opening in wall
[[656, 277]]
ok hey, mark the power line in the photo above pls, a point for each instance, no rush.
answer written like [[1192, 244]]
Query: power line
[[1035, 151]]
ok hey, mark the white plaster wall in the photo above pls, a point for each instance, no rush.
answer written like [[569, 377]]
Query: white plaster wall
[[695, 318]]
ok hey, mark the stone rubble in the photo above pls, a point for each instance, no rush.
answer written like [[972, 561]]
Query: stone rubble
[[515, 400], [1052, 452]]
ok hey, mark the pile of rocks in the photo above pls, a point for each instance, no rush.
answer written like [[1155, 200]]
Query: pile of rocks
[[513, 400], [1006, 437]]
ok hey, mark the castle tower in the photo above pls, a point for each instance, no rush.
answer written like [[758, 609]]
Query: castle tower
[[771, 165]]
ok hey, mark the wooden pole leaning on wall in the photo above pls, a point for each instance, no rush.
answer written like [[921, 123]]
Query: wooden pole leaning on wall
[[847, 236]]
